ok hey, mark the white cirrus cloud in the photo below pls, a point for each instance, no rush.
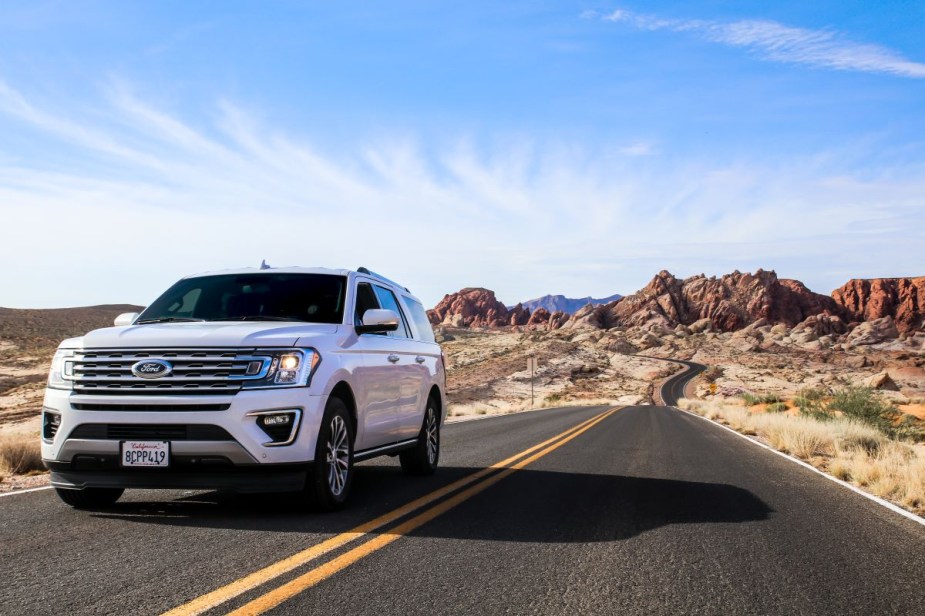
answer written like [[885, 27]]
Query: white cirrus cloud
[[775, 41], [118, 197]]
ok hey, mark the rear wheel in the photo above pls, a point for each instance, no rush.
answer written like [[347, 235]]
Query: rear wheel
[[90, 498], [332, 471], [422, 459]]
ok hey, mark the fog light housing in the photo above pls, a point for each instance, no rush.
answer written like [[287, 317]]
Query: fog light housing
[[281, 426], [51, 421]]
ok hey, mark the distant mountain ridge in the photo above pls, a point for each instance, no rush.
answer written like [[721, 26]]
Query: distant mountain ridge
[[568, 305]]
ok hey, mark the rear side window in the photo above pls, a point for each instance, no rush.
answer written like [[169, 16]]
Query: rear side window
[[387, 300], [421, 322]]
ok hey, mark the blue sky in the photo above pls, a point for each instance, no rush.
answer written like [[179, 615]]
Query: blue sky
[[531, 148]]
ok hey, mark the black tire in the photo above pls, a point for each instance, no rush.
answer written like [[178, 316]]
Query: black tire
[[90, 498], [423, 458], [329, 482]]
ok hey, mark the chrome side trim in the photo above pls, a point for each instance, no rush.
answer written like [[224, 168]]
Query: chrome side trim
[[366, 454]]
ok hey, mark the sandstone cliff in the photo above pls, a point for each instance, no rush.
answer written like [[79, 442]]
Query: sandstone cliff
[[902, 299]]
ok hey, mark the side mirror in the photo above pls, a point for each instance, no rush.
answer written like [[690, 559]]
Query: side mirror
[[378, 322], [126, 318]]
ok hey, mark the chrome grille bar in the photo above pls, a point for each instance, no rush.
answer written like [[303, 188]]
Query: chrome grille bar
[[194, 371]]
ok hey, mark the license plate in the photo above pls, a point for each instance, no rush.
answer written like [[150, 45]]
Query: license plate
[[145, 453]]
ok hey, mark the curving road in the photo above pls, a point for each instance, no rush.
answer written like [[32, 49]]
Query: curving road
[[643, 510], [672, 389]]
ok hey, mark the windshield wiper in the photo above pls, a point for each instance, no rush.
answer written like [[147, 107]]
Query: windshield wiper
[[260, 317], [168, 320]]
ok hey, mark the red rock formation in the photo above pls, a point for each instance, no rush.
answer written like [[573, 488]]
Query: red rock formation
[[475, 307], [519, 315], [730, 302], [903, 299], [539, 319], [557, 319]]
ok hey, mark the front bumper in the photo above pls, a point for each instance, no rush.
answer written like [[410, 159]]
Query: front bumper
[[244, 461], [245, 479]]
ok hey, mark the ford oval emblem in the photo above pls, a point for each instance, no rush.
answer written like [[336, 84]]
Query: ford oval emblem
[[152, 368]]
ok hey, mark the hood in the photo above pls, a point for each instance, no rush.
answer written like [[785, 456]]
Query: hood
[[213, 334]]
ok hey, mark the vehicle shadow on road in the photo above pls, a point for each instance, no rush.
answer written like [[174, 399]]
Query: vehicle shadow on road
[[530, 506]]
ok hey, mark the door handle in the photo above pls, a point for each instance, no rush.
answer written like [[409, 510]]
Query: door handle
[[393, 358], [419, 359]]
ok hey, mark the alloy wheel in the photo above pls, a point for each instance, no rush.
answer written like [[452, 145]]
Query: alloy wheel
[[338, 455], [430, 429]]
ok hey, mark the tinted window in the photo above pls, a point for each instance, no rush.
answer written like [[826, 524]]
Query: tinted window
[[313, 298], [366, 300], [421, 322], [387, 300]]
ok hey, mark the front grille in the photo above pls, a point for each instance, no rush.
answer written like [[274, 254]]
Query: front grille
[[162, 432], [194, 371]]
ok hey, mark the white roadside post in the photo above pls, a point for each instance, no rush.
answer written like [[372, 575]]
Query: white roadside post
[[531, 366]]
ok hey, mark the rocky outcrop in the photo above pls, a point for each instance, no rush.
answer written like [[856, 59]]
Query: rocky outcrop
[[821, 325], [881, 381], [539, 319], [729, 303], [519, 315], [472, 307], [873, 332], [901, 299]]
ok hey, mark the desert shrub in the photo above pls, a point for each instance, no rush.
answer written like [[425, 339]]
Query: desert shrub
[[771, 399], [811, 403], [863, 404], [553, 398], [20, 454], [712, 373], [777, 407], [910, 428], [750, 399]]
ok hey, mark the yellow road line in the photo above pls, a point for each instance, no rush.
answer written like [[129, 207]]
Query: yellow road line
[[229, 591], [305, 581]]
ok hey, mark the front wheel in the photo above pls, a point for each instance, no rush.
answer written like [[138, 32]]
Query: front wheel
[[90, 498], [332, 471], [422, 459]]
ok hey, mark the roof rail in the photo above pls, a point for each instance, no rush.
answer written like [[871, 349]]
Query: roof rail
[[368, 272]]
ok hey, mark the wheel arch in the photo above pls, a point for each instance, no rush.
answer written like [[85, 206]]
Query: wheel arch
[[344, 392], [436, 396]]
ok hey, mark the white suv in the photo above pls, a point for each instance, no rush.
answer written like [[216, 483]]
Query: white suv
[[252, 380]]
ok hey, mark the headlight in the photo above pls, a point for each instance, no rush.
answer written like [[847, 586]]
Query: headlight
[[290, 368], [62, 370]]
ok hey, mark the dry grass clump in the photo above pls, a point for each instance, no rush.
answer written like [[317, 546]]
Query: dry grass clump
[[20, 454], [849, 449]]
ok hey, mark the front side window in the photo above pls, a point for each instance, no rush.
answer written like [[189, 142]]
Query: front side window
[[366, 300], [387, 300], [310, 298]]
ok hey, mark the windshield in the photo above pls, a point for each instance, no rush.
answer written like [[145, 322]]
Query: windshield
[[312, 298]]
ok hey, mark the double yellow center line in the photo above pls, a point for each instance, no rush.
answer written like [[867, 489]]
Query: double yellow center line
[[481, 480]]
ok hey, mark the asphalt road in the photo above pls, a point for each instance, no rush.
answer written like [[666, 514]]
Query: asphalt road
[[647, 511], [673, 388]]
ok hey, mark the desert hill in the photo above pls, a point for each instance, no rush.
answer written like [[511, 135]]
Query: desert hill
[[45, 328]]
